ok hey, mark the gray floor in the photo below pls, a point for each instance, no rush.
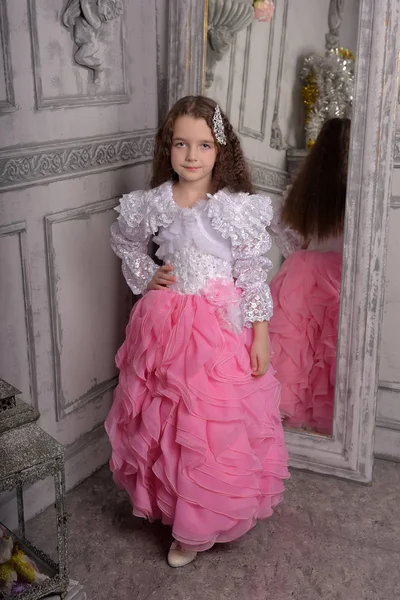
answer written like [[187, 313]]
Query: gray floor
[[330, 540]]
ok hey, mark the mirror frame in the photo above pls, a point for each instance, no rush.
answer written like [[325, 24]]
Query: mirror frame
[[349, 453]]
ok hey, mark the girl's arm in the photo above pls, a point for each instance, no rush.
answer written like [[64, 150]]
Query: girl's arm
[[260, 353], [250, 269], [244, 218], [130, 236]]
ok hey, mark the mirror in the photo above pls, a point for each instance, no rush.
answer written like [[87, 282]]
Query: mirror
[[279, 70], [257, 72]]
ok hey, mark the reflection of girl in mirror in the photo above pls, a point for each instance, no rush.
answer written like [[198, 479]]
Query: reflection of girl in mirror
[[195, 429], [306, 290]]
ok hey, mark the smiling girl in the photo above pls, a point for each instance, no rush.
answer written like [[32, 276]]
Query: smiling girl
[[195, 430]]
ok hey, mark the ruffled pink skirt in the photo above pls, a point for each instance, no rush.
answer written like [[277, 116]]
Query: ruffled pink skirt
[[303, 333], [196, 440]]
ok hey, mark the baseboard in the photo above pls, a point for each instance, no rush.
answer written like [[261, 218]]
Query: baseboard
[[387, 444]]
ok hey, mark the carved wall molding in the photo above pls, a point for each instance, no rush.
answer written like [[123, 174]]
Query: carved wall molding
[[276, 141], [247, 131], [64, 408], [44, 103], [26, 166], [7, 104], [19, 229], [268, 178]]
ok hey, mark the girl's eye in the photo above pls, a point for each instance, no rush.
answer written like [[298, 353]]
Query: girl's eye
[[179, 145], [205, 146]]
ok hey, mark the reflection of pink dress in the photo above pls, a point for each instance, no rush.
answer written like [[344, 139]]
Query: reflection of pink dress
[[196, 441], [304, 328]]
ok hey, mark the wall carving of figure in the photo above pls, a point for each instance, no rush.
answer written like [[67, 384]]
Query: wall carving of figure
[[86, 18]]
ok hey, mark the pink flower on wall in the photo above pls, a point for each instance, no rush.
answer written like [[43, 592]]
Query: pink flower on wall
[[263, 10]]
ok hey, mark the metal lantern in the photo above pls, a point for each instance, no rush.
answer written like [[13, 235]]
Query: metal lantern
[[28, 454], [8, 395]]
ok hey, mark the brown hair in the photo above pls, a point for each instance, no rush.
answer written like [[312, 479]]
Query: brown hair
[[315, 206], [230, 168]]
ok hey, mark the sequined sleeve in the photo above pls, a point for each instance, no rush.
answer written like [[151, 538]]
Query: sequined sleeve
[[244, 219], [129, 240], [286, 239]]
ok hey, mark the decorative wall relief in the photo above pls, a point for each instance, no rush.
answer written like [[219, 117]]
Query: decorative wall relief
[[60, 82], [86, 18]]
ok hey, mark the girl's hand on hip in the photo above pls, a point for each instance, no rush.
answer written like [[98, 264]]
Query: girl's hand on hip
[[162, 278]]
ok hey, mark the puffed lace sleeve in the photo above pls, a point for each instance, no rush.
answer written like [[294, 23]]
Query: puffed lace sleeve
[[130, 235], [244, 218], [286, 239]]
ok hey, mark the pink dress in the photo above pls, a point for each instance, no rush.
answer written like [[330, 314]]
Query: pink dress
[[304, 328], [196, 440]]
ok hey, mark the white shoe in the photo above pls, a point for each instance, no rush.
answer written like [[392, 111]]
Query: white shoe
[[177, 557]]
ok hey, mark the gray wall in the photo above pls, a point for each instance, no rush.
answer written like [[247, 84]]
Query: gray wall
[[69, 149]]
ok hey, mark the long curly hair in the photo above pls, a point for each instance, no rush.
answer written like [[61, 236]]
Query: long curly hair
[[230, 169], [315, 206]]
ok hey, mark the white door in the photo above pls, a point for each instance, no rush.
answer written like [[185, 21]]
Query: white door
[[70, 146]]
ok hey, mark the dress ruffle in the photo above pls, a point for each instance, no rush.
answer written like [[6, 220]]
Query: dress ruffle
[[303, 332], [196, 440]]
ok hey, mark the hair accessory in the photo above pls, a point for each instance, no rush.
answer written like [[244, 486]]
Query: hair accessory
[[218, 127]]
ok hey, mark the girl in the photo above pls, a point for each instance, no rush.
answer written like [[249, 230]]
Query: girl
[[195, 429], [306, 290]]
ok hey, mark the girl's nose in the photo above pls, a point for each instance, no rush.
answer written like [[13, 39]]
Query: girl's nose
[[191, 155]]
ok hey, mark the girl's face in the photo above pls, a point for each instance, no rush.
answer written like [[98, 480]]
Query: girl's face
[[193, 152]]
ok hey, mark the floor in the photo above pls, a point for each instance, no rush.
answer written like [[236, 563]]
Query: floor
[[329, 540]]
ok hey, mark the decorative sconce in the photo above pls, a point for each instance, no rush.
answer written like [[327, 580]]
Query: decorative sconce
[[225, 19]]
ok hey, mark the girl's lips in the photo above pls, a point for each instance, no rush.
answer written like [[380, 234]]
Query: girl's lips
[[192, 168]]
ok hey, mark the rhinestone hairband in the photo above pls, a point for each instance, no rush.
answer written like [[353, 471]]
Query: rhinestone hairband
[[218, 127]]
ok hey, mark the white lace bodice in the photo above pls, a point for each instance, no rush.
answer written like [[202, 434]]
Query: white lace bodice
[[197, 252], [223, 237]]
